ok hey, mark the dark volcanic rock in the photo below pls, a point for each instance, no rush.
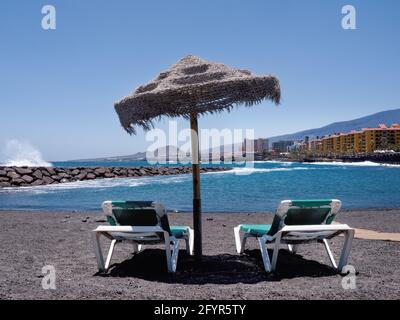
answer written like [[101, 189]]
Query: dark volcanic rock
[[37, 182], [37, 174], [23, 171], [81, 176], [13, 175], [51, 171], [17, 182], [27, 178], [45, 173], [63, 175], [47, 180], [100, 170], [90, 176], [5, 184]]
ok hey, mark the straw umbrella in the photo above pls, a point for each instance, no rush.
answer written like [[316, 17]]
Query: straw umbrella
[[190, 88]]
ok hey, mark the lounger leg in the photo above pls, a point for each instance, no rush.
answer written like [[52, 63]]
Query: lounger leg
[[264, 254], [110, 253], [244, 242], [349, 235], [175, 253], [276, 252], [236, 232], [329, 252], [292, 248], [97, 251], [136, 247], [168, 252], [187, 245], [191, 240]]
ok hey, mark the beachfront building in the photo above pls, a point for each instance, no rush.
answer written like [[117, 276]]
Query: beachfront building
[[367, 140], [255, 149], [299, 146], [259, 145], [282, 146]]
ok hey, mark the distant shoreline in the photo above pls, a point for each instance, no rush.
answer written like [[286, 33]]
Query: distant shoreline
[[378, 158]]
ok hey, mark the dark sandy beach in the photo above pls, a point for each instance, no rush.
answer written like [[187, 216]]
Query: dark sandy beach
[[31, 240]]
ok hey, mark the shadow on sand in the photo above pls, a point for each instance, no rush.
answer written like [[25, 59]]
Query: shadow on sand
[[150, 265]]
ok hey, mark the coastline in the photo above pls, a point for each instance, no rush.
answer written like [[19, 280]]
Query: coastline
[[31, 240], [379, 158]]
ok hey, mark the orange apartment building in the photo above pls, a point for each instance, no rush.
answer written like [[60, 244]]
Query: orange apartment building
[[366, 140]]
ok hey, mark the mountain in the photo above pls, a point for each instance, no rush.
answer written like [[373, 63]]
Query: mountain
[[168, 152], [385, 117], [132, 157]]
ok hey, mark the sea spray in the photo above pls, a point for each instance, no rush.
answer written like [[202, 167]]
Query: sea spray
[[18, 153]]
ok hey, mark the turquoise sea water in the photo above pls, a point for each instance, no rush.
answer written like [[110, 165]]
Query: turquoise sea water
[[362, 185]]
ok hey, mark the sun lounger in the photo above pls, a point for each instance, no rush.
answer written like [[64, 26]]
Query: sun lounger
[[295, 223], [141, 223]]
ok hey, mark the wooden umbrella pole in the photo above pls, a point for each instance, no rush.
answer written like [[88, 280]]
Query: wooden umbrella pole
[[196, 187]]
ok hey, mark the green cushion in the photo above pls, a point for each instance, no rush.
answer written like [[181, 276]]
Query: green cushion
[[256, 229], [306, 216], [179, 231], [301, 212], [135, 216], [311, 203], [131, 204]]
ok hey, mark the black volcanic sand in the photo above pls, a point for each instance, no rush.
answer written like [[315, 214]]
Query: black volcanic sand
[[31, 240]]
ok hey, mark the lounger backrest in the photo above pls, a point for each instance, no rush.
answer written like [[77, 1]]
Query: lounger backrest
[[304, 212], [136, 213]]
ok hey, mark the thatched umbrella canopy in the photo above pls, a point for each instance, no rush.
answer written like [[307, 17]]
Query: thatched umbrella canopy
[[190, 88]]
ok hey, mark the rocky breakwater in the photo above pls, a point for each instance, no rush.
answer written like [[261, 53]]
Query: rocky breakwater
[[36, 176]]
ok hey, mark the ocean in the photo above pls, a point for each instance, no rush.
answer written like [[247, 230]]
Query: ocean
[[243, 189]]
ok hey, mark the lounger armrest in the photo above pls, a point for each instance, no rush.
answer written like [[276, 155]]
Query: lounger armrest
[[128, 229], [322, 227]]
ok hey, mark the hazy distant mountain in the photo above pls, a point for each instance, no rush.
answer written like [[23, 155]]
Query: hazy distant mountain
[[168, 152], [132, 157], [386, 117]]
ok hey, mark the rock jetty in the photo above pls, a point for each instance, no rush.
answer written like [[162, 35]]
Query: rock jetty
[[37, 176]]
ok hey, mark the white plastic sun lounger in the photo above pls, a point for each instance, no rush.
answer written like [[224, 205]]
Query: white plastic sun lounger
[[295, 223], [141, 223]]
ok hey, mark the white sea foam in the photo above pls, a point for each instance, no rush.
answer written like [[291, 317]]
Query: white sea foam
[[17, 153], [279, 162], [247, 171], [355, 164]]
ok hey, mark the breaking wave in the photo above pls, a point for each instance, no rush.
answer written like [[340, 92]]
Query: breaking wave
[[19, 154]]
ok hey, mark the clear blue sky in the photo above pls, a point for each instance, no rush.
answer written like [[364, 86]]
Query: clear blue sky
[[57, 88]]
